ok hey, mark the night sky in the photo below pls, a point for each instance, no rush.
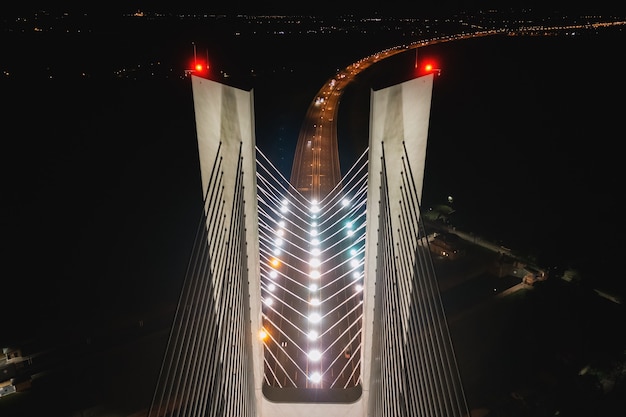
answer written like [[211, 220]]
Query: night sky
[[319, 8]]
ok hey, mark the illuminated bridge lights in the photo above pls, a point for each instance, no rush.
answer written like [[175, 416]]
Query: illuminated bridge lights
[[320, 268], [263, 334], [315, 317], [315, 355], [315, 377]]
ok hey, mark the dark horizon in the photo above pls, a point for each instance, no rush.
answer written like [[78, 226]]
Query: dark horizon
[[395, 9]]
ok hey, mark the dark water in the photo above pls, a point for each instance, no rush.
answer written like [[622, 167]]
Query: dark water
[[529, 149]]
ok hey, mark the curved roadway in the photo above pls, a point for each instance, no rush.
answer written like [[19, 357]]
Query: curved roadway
[[315, 170], [315, 173]]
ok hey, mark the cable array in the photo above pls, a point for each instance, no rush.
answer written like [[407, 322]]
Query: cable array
[[207, 369], [415, 371], [311, 272]]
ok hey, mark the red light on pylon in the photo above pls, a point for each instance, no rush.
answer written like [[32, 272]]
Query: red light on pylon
[[198, 68], [197, 65], [430, 67]]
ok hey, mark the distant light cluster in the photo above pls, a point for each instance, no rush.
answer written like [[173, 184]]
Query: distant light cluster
[[82, 29]]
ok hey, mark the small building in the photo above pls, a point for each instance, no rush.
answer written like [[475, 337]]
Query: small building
[[447, 245], [533, 275], [11, 354], [508, 266]]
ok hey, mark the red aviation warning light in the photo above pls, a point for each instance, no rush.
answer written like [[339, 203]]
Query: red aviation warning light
[[197, 64], [427, 68], [198, 67], [430, 67]]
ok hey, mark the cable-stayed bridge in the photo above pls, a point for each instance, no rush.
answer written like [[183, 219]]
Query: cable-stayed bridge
[[315, 294]]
